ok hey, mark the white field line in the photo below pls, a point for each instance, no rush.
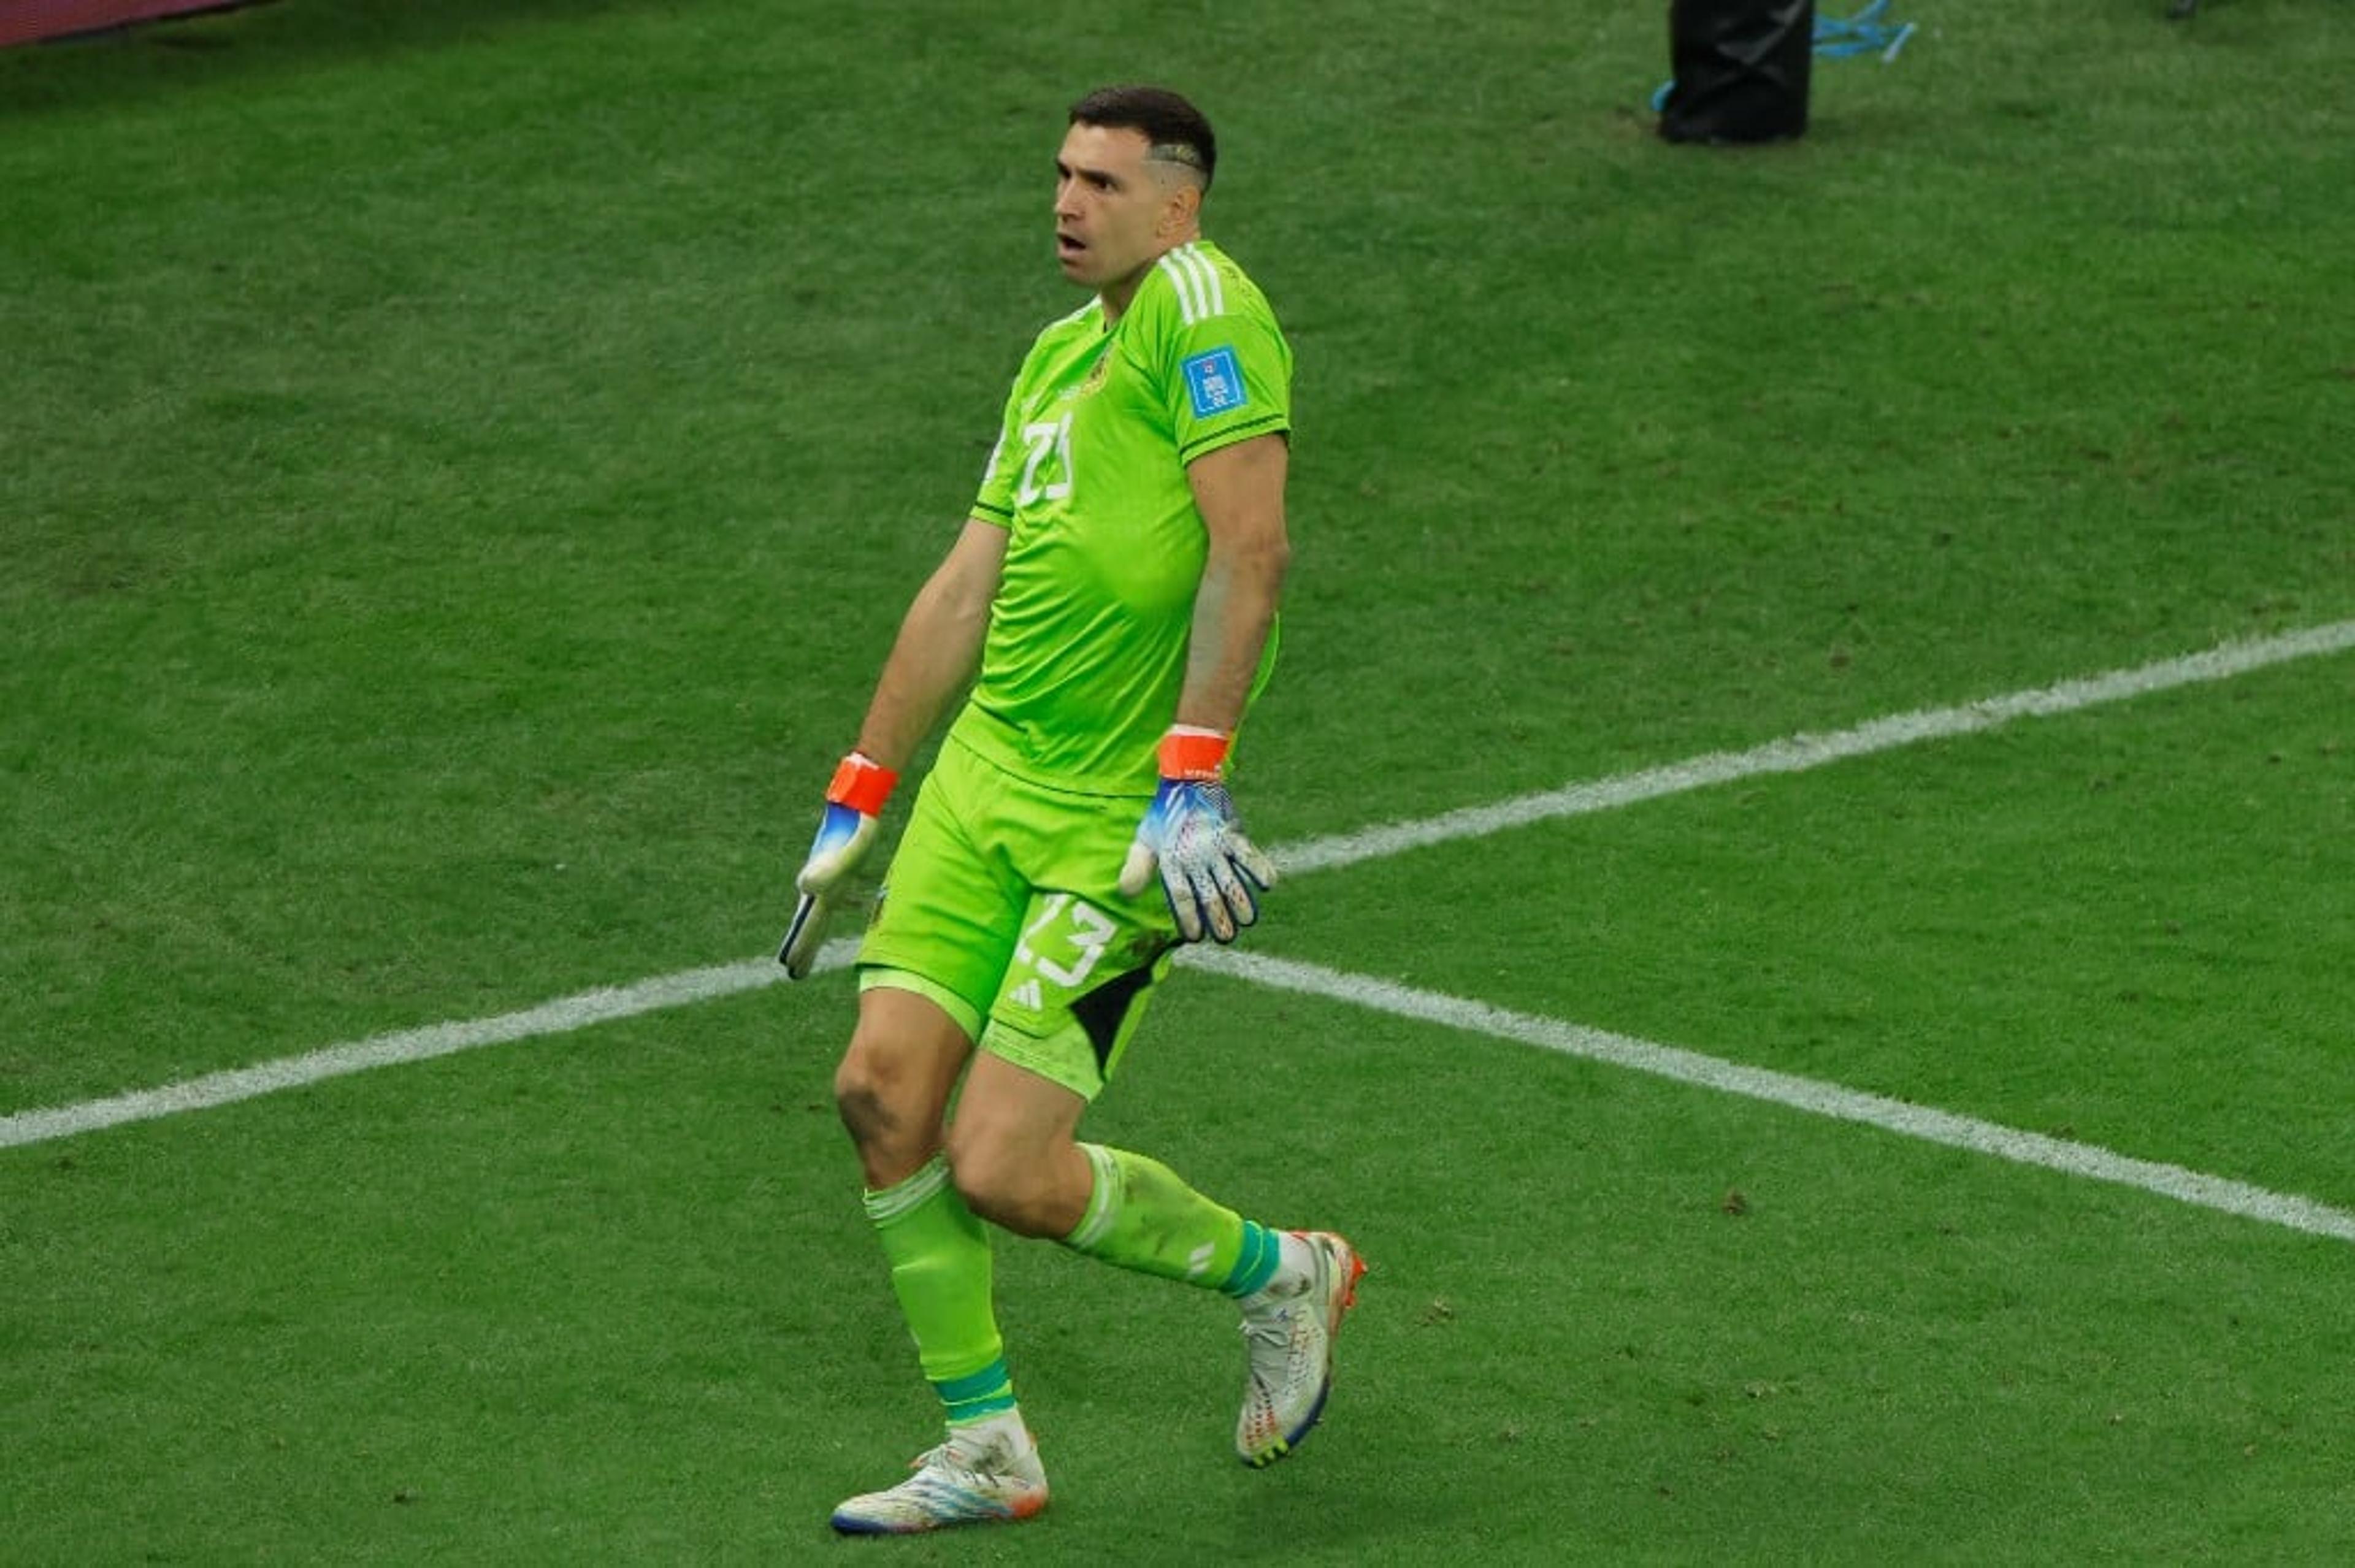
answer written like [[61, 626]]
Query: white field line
[[605, 1004], [1783, 1089], [1799, 752], [559, 1017]]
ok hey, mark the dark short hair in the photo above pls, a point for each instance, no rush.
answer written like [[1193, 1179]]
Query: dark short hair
[[1177, 131]]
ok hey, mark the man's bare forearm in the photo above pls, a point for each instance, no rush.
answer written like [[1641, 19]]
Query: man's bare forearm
[[937, 651], [1232, 612], [1239, 492]]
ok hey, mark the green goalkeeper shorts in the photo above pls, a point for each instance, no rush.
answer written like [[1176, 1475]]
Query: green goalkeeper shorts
[[1001, 905]]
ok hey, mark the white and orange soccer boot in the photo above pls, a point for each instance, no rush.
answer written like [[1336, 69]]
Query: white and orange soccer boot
[[1288, 1329], [988, 1473]]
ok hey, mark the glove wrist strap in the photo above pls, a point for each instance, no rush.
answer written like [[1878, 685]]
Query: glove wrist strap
[[862, 784], [1193, 753]]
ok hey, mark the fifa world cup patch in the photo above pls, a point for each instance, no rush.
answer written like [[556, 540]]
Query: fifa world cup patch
[[1214, 382]]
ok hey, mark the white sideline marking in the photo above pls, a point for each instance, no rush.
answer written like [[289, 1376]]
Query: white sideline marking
[[559, 1017], [605, 1004], [1784, 1089], [1799, 752]]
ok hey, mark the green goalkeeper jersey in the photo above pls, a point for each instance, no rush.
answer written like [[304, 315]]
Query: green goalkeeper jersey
[[1086, 651]]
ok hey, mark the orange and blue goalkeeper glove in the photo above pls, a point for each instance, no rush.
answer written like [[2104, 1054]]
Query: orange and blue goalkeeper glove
[[1211, 872], [854, 804]]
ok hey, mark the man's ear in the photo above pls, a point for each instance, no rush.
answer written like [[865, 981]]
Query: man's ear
[[1184, 206]]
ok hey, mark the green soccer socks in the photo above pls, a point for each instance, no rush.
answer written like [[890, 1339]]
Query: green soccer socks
[[1141, 1216], [940, 1262]]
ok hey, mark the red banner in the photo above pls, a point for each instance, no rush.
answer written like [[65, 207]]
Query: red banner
[[22, 21]]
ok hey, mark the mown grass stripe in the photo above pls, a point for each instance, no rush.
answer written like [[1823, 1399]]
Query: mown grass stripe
[[1797, 754], [1808, 1094], [1792, 754]]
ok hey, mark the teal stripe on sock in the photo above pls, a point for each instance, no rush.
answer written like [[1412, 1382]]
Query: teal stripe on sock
[[1255, 1265], [984, 1392]]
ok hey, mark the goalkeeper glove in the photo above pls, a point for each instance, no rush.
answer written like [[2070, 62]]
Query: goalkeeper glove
[[1210, 870], [853, 802]]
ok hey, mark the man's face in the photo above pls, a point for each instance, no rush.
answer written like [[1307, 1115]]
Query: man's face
[[1114, 212]]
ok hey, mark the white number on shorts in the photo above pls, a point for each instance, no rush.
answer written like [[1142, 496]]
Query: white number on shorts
[[1092, 931]]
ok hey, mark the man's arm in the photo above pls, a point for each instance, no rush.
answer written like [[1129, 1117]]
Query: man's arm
[[938, 647], [1239, 490], [1190, 834]]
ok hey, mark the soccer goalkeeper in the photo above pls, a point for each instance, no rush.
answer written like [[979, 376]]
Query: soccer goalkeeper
[[1112, 602]]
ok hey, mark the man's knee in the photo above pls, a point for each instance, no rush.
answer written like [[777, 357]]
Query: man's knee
[[864, 1089], [891, 1089], [1013, 1152], [1029, 1186], [991, 1183]]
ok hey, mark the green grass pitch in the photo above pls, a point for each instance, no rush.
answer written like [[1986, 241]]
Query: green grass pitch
[[461, 464]]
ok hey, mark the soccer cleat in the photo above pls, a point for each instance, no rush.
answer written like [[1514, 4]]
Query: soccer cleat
[[985, 1482], [1288, 1329]]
